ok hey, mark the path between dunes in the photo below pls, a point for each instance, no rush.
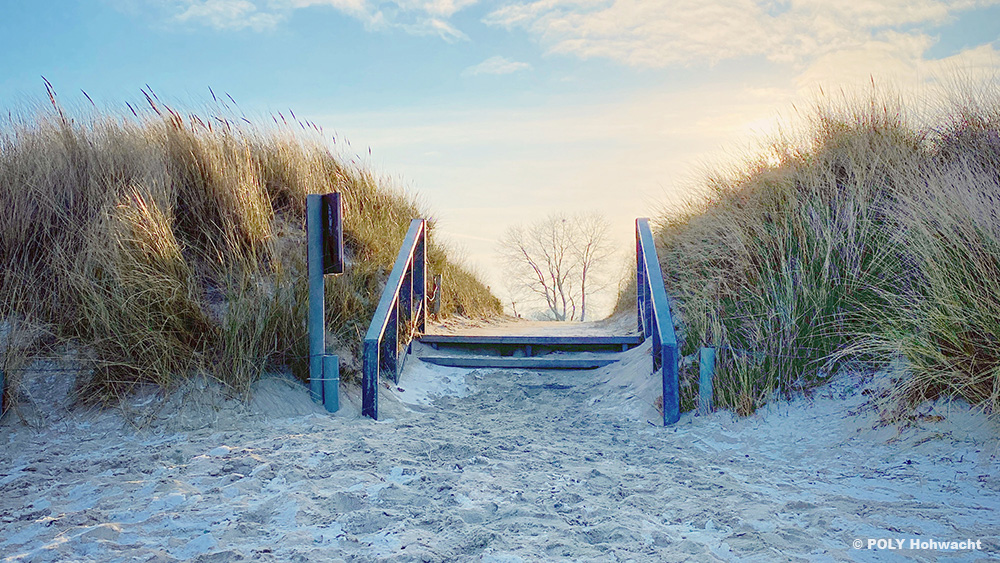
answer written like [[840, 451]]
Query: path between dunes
[[528, 466]]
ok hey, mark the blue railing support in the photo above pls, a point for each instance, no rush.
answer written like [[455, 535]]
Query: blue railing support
[[653, 312], [324, 255], [402, 308], [314, 263]]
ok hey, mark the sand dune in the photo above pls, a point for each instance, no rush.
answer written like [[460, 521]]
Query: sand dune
[[494, 465]]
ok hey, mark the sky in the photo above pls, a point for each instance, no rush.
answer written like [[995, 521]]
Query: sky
[[503, 112]]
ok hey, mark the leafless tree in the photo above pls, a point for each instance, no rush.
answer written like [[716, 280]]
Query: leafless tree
[[557, 259]]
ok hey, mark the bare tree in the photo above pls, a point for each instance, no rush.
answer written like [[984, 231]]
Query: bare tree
[[593, 249], [556, 260]]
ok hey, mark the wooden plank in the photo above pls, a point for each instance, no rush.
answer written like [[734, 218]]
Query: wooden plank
[[532, 340], [512, 362]]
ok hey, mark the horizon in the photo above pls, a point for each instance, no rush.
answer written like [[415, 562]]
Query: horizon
[[494, 114]]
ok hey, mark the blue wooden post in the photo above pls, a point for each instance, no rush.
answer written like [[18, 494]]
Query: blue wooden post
[[317, 332], [369, 380], [331, 382], [706, 369], [640, 282], [420, 281], [406, 302], [333, 233], [390, 354], [671, 390], [3, 394]]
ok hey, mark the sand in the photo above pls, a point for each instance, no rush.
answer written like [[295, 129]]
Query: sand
[[493, 465]]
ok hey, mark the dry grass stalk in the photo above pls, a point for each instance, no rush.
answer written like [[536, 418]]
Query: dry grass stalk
[[170, 246], [872, 241]]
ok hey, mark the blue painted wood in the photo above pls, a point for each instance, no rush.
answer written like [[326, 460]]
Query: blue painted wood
[[530, 362], [331, 382], [332, 233], [420, 283], [405, 302], [3, 394], [538, 340], [369, 380], [382, 348], [391, 292], [314, 257], [390, 341], [653, 312], [706, 370]]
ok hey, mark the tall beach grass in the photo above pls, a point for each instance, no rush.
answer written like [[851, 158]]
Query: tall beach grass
[[166, 245], [872, 241]]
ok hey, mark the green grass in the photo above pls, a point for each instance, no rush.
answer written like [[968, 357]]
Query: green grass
[[168, 245], [872, 240]]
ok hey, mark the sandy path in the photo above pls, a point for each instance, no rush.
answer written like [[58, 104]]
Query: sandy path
[[529, 466]]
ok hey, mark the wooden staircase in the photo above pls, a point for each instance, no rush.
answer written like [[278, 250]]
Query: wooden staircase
[[527, 351], [402, 312]]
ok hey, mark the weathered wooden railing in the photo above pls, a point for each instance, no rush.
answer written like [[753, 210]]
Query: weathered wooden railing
[[401, 312], [654, 318]]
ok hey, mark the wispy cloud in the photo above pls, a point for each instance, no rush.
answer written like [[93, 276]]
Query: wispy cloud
[[434, 26], [436, 8], [417, 17], [660, 33], [497, 65], [227, 14]]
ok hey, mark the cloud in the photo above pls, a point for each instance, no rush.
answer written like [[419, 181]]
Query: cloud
[[417, 17], [228, 14], [435, 26], [362, 10], [661, 33], [436, 8], [497, 65]]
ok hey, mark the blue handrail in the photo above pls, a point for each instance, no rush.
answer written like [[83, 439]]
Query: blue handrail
[[403, 302], [654, 318]]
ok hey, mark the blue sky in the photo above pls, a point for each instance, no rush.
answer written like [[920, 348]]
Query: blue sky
[[499, 112]]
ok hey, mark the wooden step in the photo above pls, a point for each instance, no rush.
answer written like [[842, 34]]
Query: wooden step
[[531, 340], [539, 362]]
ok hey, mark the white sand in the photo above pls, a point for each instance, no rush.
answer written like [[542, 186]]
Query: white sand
[[494, 465]]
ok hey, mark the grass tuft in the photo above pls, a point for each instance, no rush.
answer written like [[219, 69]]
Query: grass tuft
[[172, 246], [873, 240]]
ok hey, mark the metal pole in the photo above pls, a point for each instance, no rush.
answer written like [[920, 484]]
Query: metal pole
[[706, 369], [317, 332], [331, 382]]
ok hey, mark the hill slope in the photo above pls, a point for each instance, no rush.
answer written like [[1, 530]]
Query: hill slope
[[163, 245], [874, 240]]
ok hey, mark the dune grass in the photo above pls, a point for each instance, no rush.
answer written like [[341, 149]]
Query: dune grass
[[872, 241], [168, 245]]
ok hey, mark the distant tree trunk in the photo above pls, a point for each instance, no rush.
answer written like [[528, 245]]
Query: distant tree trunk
[[593, 248], [554, 259]]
